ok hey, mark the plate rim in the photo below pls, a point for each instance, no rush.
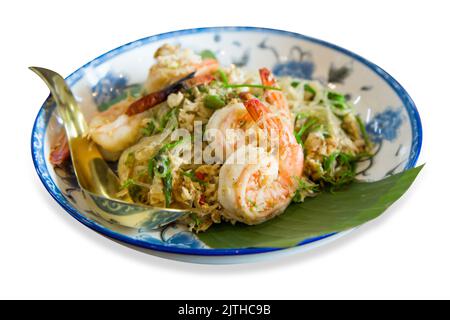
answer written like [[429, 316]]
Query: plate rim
[[409, 105]]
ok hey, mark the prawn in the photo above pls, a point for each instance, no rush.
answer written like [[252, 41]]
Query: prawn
[[236, 116], [222, 125], [174, 63], [275, 98], [113, 130], [256, 192]]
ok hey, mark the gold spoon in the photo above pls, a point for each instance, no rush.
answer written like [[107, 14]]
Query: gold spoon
[[99, 183]]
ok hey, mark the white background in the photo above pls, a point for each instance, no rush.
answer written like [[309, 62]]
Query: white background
[[44, 253]]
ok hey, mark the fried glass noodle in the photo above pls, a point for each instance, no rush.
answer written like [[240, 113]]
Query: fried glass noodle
[[321, 139]]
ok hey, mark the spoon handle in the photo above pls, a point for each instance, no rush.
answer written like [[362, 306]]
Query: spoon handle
[[84, 153], [68, 108]]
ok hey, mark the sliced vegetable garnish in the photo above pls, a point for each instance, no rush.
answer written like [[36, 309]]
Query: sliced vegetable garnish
[[127, 183], [260, 86], [295, 84], [301, 132], [222, 76], [362, 128], [340, 169], [165, 119], [197, 221], [167, 181], [132, 188], [309, 89], [149, 129], [213, 102], [327, 213], [159, 166], [202, 88], [162, 166], [171, 145], [334, 96], [340, 105], [305, 188], [151, 167]]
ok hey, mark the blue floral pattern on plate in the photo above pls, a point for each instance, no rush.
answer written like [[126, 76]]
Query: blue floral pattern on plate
[[108, 88], [385, 125], [298, 69]]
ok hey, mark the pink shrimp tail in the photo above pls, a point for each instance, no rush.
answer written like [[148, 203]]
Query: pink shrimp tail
[[267, 77], [258, 111]]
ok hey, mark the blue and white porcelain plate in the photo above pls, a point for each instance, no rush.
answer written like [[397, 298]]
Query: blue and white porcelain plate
[[391, 118]]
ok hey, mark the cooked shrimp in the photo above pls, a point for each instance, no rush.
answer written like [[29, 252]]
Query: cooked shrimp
[[236, 116], [174, 63], [256, 191], [222, 125], [115, 131], [275, 98]]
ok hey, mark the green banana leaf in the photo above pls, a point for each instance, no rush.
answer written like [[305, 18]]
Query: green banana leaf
[[327, 213]]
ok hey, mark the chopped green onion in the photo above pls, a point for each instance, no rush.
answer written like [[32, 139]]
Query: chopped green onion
[[340, 169], [329, 161], [202, 88], [299, 134], [155, 127], [149, 129], [309, 89], [340, 105], [171, 113], [260, 86], [213, 102], [167, 182], [162, 167], [127, 183], [208, 54], [223, 77], [305, 188], [295, 84], [151, 167], [309, 92], [132, 187], [171, 145], [362, 128], [196, 219], [334, 96], [159, 166]]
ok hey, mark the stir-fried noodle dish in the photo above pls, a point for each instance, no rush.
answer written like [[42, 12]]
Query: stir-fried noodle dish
[[234, 145]]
